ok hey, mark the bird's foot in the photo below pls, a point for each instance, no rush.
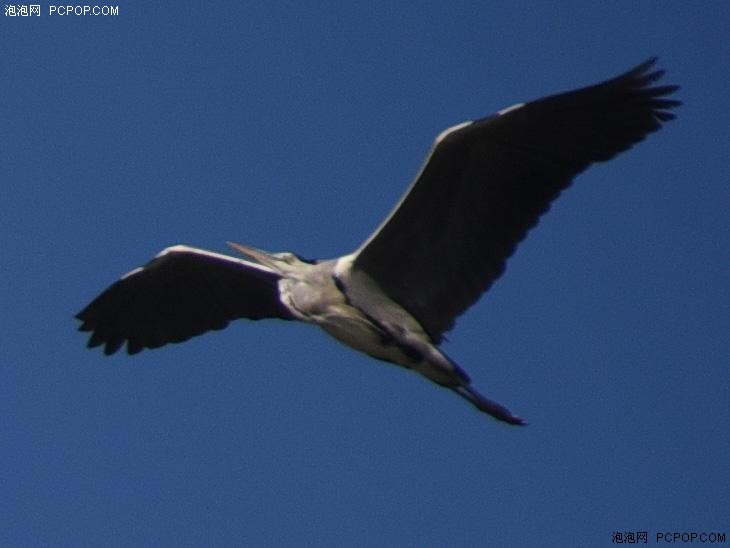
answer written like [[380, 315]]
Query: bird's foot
[[488, 406]]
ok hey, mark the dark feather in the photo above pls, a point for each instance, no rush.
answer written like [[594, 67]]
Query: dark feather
[[181, 293], [486, 184]]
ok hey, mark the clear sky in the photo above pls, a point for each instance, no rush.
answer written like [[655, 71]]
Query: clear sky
[[297, 127]]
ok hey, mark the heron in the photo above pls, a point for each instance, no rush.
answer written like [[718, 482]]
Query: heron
[[482, 187]]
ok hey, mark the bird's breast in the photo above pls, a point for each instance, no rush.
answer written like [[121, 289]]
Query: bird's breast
[[310, 297], [319, 300]]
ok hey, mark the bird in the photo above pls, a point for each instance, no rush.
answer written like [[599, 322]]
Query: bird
[[483, 186]]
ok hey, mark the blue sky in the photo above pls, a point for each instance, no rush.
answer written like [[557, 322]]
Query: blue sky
[[297, 127]]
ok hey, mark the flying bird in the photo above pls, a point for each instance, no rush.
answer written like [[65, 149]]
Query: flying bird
[[482, 187]]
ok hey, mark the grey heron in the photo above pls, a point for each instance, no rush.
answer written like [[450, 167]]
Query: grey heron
[[483, 186]]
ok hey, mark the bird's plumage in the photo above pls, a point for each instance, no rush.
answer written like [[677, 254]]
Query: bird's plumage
[[181, 293], [486, 183], [483, 186]]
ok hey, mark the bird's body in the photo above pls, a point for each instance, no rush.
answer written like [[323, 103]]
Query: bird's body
[[481, 189], [323, 300], [349, 306]]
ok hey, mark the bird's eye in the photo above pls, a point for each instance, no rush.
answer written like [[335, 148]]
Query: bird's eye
[[287, 257]]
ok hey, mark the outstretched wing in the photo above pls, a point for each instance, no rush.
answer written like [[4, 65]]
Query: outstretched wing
[[181, 293], [486, 183]]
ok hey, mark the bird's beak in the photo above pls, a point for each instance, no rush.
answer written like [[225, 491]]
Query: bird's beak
[[258, 255]]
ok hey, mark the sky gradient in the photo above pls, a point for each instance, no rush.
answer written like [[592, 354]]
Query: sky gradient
[[298, 127]]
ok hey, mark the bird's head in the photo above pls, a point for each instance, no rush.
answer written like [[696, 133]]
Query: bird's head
[[282, 262]]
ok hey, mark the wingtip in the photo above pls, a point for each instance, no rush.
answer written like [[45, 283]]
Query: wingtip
[[647, 64], [642, 71], [651, 61]]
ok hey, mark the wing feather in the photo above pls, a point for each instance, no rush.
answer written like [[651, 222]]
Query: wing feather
[[181, 293], [485, 184]]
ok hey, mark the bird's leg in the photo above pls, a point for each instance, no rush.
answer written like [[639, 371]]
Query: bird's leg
[[441, 370], [488, 406]]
